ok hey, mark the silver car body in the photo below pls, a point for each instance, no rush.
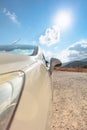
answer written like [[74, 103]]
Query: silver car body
[[31, 112]]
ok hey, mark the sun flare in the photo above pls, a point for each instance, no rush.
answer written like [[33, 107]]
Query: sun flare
[[63, 19]]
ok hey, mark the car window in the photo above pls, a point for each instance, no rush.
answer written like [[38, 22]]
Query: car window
[[22, 50]]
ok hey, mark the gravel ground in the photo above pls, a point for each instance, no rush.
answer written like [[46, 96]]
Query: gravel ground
[[69, 106]]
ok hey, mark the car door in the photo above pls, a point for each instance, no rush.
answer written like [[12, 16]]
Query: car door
[[33, 109]]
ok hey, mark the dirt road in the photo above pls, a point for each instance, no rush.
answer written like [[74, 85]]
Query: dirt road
[[69, 107]]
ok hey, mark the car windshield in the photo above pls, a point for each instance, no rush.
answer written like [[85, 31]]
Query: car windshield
[[20, 49]]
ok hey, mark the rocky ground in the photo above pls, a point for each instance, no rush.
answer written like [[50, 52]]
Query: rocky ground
[[69, 106]]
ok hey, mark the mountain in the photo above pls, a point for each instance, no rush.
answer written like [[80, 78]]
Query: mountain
[[75, 64]]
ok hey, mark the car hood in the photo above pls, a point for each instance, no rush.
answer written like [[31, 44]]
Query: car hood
[[14, 62]]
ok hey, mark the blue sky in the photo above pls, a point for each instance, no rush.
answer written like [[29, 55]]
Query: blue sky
[[32, 21]]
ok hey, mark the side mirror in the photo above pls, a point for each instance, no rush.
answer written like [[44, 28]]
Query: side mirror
[[54, 62]]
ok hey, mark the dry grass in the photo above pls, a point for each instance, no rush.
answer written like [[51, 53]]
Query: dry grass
[[71, 69]]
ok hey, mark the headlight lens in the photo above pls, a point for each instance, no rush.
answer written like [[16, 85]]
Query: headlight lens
[[11, 86]]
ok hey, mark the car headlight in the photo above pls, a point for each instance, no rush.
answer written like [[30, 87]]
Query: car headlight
[[11, 86]]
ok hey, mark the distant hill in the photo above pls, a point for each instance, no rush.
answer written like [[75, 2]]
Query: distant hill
[[75, 64]]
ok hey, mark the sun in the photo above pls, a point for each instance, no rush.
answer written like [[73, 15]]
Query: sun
[[63, 19]]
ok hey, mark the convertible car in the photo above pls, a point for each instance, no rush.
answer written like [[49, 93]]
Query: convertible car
[[25, 87]]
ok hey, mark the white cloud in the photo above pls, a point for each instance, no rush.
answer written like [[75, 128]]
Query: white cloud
[[11, 16], [76, 51], [49, 54], [62, 21], [52, 36]]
